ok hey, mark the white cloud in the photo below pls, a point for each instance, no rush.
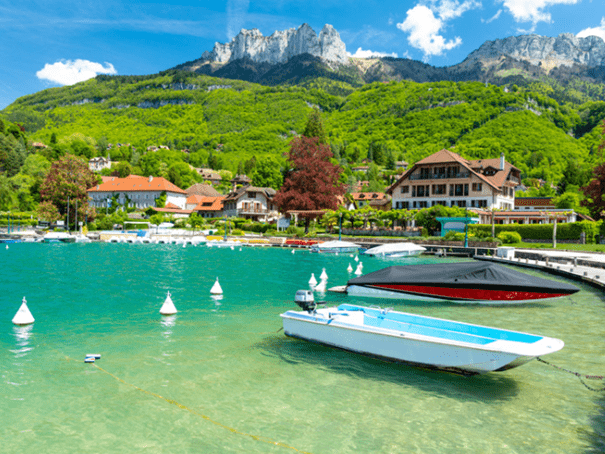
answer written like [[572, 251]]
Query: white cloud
[[493, 18], [370, 54], [451, 9], [424, 28], [596, 31], [533, 10], [68, 72]]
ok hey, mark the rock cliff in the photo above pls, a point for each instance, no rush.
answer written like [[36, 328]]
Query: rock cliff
[[547, 52], [281, 46]]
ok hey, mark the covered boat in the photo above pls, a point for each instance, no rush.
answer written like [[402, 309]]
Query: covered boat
[[335, 246], [462, 282], [58, 237], [416, 339], [396, 250]]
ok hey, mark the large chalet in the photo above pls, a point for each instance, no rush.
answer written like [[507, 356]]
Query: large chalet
[[446, 178]]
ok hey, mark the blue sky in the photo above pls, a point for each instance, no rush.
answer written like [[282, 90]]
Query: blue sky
[[49, 43]]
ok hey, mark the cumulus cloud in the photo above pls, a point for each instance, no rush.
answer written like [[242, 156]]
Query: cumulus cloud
[[68, 72], [596, 31], [370, 54], [424, 29], [533, 10]]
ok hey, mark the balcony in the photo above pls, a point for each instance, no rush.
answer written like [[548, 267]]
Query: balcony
[[440, 176], [253, 211]]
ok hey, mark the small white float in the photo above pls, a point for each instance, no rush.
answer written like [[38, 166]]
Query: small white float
[[216, 288], [324, 275], [168, 307], [312, 281], [350, 268], [23, 315]]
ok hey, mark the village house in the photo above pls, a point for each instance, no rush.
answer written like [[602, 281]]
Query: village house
[[202, 189], [209, 207], [240, 180], [141, 191], [99, 163], [210, 175], [251, 203], [445, 178], [378, 200]]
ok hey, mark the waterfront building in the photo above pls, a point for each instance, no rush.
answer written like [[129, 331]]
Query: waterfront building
[[140, 191], [251, 202], [446, 178]]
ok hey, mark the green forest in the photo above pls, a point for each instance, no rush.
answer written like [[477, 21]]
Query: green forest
[[235, 126]]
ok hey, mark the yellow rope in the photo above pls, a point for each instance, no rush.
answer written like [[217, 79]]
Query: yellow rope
[[207, 418], [184, 407]]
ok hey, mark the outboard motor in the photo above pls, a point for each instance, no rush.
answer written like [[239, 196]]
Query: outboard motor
[[306, 301]]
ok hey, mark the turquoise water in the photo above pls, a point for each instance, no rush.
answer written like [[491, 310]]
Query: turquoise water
[[218, 377]]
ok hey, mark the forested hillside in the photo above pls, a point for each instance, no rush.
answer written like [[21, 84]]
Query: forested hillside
[[225, 123]]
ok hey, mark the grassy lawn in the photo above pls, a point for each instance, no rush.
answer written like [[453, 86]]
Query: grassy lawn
[[560, 247]]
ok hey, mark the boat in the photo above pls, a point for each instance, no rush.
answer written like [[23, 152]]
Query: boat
[[415, 339], [58, 237], [336, 246], [396, 250], [461, 282]]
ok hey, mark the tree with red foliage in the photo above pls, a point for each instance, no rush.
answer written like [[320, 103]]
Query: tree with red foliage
[[69, 177], [595, 190], [312, 181]]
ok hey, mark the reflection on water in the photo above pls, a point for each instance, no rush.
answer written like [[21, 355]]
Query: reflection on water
[[488, 388], [22, 335]]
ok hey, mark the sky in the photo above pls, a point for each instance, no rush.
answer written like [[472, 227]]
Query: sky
[[51, 43]]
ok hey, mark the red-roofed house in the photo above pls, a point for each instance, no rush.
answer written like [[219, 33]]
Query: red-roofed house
[[210, 207], [375, 199], [142, 192], [445, 178]]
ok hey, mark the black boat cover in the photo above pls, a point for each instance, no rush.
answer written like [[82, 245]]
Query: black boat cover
[[463, 274]]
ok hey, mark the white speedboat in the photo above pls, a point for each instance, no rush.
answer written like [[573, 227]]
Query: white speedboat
[[396, 250], [416, 339], [335, 247], [58, 237]]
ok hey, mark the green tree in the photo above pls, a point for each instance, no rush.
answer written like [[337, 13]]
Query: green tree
[[267, 174], [315, 127], [123, 169]]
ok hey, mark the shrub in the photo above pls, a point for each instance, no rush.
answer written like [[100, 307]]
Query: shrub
[[297, 231], [509, 237], [237, 232]]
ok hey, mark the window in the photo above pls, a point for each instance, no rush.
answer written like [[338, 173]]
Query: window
[[466, 189], [481, 203], [252, 195], [420, 191], [477, 187], [422, 204], [405, 189], [439, 189]]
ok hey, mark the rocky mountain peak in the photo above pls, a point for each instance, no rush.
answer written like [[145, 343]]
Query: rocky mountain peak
[[548, 52], [281, 46]]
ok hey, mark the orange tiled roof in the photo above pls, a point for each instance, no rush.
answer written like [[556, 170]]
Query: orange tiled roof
[[210, 204], [368, 195], [136, 183]]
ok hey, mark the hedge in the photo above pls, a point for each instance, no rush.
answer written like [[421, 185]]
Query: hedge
[[565, 231]]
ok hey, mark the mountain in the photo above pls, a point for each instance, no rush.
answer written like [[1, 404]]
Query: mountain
[[298, 55]]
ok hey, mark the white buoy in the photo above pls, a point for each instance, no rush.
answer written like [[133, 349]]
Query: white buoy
[[7, 246], [240, 249], [23, 315], [293, 251], [184, 244], [232, 248], [356, 258], [358, 270], [312, 281], [216, 288], [168, 307], [321, 287], [324, 275], [350, 268]]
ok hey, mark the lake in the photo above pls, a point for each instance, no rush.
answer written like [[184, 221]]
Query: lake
[[220, 376]]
